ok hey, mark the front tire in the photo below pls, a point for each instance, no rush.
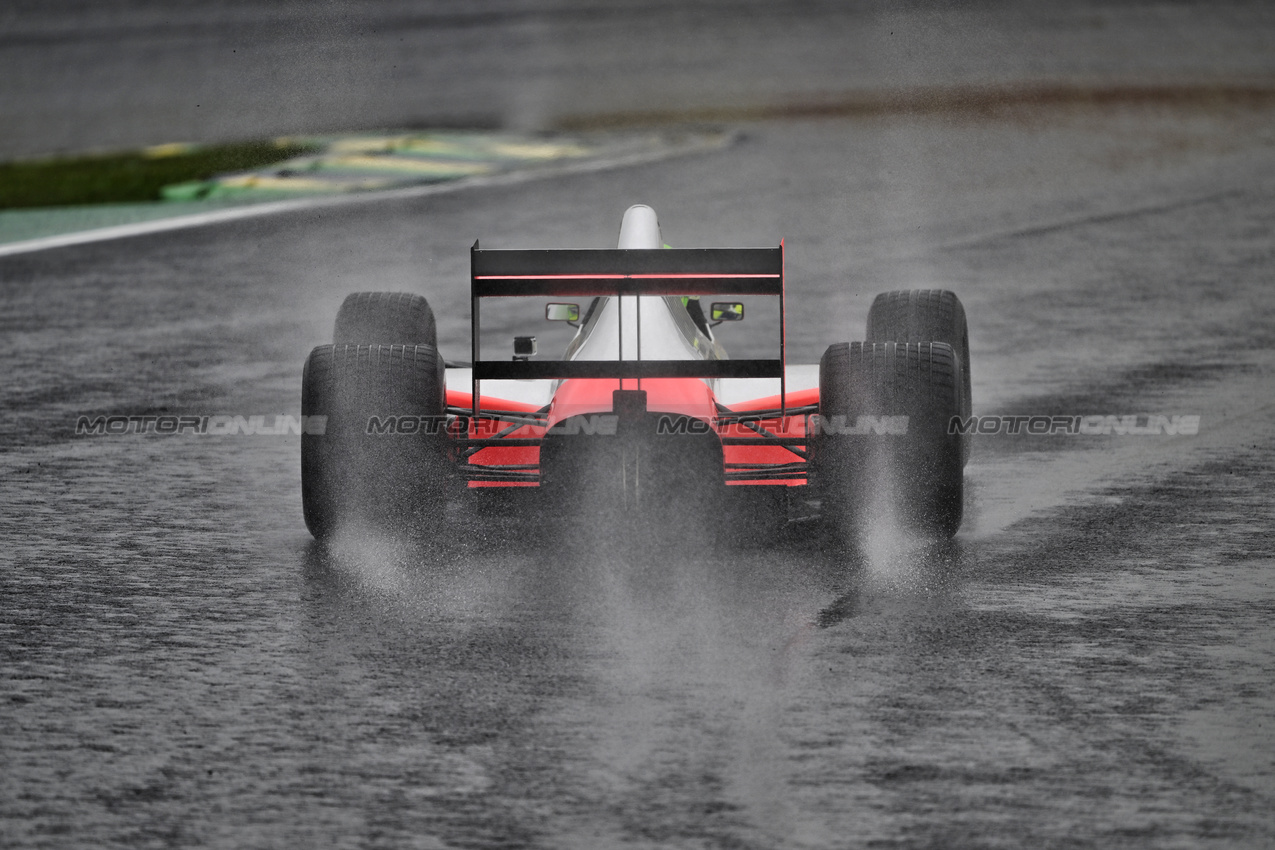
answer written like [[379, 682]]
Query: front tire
[[385, 318]]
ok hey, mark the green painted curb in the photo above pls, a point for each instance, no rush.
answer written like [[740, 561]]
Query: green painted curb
[[389, 160]]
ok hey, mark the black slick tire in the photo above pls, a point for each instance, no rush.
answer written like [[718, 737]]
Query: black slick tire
[[381, 459], [924, 315], [385, 318], [883, 437]]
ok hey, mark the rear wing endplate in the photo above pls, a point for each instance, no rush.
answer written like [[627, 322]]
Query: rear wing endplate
[[672, 271]]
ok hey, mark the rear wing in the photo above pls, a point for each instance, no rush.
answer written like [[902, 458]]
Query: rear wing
[[672, 271]]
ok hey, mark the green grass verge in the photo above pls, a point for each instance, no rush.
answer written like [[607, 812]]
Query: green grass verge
[[130, 177]]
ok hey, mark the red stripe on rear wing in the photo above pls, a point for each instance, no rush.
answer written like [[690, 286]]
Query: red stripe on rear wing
[[562, 369], [672, 271]]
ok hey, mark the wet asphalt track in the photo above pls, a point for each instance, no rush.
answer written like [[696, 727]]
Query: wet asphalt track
[[1089, 664]]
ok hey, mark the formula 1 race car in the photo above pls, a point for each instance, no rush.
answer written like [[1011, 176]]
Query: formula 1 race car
[[644, 415]]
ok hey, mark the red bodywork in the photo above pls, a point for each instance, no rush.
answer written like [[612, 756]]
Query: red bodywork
[[678, 396]]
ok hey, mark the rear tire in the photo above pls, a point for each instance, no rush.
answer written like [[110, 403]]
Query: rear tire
[[385, 318], [352, 475], [914, 471]]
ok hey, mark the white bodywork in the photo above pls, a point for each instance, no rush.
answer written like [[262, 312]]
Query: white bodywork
[[612, 332]]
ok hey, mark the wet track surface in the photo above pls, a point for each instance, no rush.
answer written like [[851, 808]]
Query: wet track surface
[[1089, 663]]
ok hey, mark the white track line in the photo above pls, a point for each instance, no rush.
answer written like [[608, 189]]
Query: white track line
[[145, 228]]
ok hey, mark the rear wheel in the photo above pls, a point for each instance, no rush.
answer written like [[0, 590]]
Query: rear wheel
[[385, 318], [883, 436], [381, 457]]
